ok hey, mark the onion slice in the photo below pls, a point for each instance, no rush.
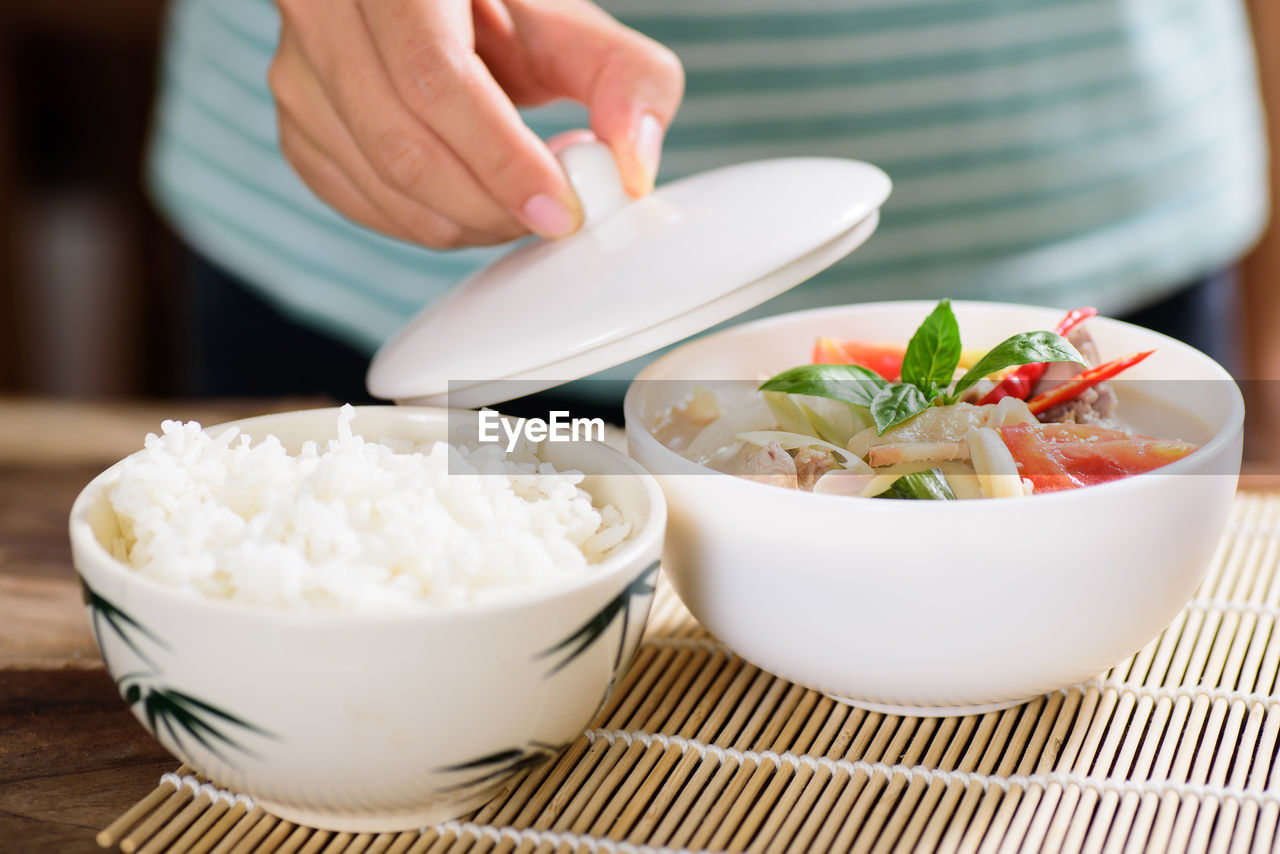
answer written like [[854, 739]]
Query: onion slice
[[997, 472]]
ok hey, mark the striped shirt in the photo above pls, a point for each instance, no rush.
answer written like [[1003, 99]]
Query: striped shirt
[[1059, 152]]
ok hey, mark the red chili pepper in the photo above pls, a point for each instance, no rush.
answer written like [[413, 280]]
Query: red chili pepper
[[1019, 383], [1073, 387], [1075, 318]]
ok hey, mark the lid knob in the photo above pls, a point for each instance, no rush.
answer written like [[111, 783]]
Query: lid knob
[[594, 176]]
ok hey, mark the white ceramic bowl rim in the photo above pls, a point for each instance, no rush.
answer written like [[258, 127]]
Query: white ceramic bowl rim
[[618, 562], [1233, 424]]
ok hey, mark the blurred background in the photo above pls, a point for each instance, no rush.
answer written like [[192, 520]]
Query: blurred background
[[88, 306], [89, 302]]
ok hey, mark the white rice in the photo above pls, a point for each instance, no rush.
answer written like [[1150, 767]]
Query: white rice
[[356, 525]]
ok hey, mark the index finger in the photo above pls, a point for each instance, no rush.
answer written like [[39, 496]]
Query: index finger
[[427, 47]]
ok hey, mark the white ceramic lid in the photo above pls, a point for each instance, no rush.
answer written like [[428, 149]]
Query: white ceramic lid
[[639, 275]]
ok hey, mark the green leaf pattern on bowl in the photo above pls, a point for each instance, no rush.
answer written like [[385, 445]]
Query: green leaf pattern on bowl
[[503, 763], [185, 718], [182, 717], [593, 629]]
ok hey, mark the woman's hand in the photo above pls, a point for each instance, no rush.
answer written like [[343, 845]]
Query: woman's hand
[[402, 115]]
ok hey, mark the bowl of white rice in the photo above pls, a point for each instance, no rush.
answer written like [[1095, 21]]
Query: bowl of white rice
[[356, 622]]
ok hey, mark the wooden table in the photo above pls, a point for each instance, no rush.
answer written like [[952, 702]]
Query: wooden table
[[72, 757]]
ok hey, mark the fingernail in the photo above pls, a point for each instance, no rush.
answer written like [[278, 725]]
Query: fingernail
[[548, 216], [649, 146]]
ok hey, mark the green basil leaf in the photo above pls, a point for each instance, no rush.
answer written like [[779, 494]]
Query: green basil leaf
[[1025, 348], [850, 383], [928, 485], [933, 352], [895, 404]]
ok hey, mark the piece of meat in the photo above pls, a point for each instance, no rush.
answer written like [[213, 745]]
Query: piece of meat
[[1094, 406], [916, 452], [765, 464], [937, 424], [811, 464], [1059, 372], [934, 435]]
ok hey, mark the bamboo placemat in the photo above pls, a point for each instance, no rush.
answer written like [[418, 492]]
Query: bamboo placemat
[[1175, 749]]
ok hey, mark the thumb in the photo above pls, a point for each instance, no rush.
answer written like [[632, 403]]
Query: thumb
[[630, 84]]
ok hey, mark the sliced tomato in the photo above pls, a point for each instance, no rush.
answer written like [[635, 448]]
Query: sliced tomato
[[884, 359], [1066, 456]]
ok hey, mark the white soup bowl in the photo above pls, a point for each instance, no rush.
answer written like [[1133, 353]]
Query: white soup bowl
[[939, 607]]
